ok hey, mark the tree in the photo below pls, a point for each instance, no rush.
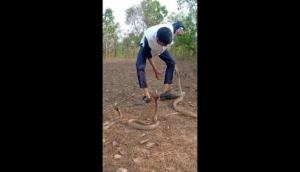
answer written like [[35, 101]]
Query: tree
[[110, 36], [192, 8], [139, 17], [134, 18], [153, 12]]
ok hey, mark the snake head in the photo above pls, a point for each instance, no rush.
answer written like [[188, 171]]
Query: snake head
[[155, 95], [115, 106]]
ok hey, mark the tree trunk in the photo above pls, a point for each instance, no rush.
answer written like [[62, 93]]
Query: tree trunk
[[116, 50], [105, 49]]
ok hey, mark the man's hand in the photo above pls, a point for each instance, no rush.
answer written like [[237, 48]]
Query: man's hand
[[156, 71]]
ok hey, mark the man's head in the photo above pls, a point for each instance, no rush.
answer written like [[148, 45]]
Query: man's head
[[178, 28], [164, 36]]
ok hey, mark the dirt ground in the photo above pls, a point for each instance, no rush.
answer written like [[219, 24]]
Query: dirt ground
[[170, 147]]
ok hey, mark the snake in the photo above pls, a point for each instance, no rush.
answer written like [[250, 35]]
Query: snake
[[180, 98], [139, 124], [142, 125]]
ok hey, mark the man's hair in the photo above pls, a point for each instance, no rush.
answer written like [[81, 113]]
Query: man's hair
[[164, 35]]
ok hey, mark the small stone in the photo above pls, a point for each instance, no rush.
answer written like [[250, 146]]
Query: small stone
[[171, 168], [150, 144], [137, 160], [115, 143], [117, 156], [122, 170]]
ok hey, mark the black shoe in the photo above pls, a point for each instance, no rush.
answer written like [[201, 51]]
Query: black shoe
[[143, 101], [146, 99], [168, 95]]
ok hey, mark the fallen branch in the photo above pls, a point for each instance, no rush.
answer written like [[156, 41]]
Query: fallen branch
[[174, 113]]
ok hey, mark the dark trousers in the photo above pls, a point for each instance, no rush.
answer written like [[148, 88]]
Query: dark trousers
[[145, 53]]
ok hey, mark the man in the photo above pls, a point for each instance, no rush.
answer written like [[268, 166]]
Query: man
[[155, 42]]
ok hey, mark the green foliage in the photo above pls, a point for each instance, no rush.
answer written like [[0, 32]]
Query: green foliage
[[153, 12], [191, 4], [186, 45], [130, 45]]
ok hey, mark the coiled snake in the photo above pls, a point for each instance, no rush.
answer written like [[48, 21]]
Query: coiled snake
[[142, 125]]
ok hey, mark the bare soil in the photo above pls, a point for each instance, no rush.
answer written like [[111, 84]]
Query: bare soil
[[170, 147]]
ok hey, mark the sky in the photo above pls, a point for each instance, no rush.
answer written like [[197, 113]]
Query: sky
[[119, 7]]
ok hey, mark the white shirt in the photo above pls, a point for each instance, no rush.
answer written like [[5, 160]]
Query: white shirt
[[150, 34]]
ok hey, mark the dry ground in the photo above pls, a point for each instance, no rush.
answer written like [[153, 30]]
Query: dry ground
[[170, 147]]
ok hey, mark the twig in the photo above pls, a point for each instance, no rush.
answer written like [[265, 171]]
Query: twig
[[174, 113], [107, 125]]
